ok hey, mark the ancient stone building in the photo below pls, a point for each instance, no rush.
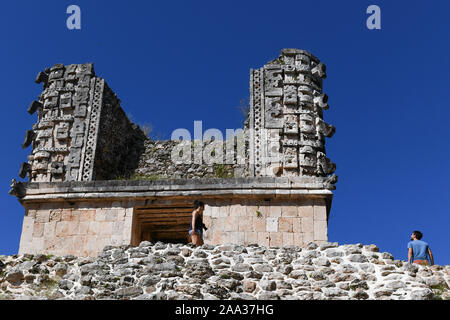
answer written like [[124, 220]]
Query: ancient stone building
[[95, 179]]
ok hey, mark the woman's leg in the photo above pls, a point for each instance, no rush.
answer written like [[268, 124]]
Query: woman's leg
[[196, 239]]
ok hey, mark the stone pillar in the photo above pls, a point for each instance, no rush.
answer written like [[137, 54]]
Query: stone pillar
[[82, 133], [287, 131]]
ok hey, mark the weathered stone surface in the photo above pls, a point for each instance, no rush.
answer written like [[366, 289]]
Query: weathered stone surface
[[15, 276], [276, 276]]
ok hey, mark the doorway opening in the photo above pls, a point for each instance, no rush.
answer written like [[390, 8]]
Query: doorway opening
[[166, 223]]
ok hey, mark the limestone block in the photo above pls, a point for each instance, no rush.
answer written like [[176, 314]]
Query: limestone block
[[259, 224], [129, 212], [275, 211], [224, 211], [90, 244], [83, 227], [100, 215], [251, 211], [111, 214], [62, 229], [127, 224], [38, 230], [298, 239], [55, 215], [320, 230], [103, 241], [207, 211], [237, 210], [276, 239], [86, 215], [218, 237], [30, 213], [52, 243], [38, 245], [73, 227], [288, 239], [272, 224], [320, 210], [296, 225], [116, 240], [231, 223], [285, 224], [207, 221], [308, 237], [236, 237], [263, 239], [306, 209], [251, 238], [49, 229], [213, 211], [307, 224], [246, 223], [79, 242], [94, 228], [42, 216], [215, 225], [106, 228], [27, 234], [289, 211], [69, 215]]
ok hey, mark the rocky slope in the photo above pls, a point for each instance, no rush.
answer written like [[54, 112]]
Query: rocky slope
[[177, 271]]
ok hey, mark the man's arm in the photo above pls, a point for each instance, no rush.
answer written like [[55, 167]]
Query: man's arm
[[430, 254], [410, 255]]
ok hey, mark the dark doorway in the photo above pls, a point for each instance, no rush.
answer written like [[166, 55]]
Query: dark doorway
[[166, 223]]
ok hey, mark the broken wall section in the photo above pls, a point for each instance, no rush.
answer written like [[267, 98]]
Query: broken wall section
[[120, 142]]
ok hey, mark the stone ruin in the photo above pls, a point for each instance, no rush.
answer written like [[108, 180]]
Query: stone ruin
[[95, 178]]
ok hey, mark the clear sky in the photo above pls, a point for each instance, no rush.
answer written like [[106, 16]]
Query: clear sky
[[173, 62]]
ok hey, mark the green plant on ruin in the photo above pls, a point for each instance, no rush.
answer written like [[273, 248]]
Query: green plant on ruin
[[138, 176], [258, 214], [47, 286], [222, 171], [438, 290]]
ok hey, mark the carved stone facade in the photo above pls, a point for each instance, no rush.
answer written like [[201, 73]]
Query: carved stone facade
[[82, 193], [74, 126], [287, 132]]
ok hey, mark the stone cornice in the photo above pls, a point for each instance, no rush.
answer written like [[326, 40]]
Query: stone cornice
[[282, 187]]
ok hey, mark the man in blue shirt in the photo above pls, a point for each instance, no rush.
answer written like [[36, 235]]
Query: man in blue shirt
[[418, 250]]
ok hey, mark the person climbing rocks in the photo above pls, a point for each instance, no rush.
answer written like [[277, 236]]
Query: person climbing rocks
[[419, 251], [197, 226]]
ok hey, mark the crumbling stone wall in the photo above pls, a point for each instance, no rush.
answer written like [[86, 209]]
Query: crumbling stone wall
[[156, 163], [159, 271], [120, 143]]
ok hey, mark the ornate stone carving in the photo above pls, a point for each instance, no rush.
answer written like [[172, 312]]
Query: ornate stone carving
[[288, 93], [65, 137]]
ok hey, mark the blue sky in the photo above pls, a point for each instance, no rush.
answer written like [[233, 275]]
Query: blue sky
[[173, 62]]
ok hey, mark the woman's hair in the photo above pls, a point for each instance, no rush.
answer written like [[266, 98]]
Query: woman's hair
[[198, 203]]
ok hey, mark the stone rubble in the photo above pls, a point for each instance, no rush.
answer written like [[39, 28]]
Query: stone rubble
[[163, 271]]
